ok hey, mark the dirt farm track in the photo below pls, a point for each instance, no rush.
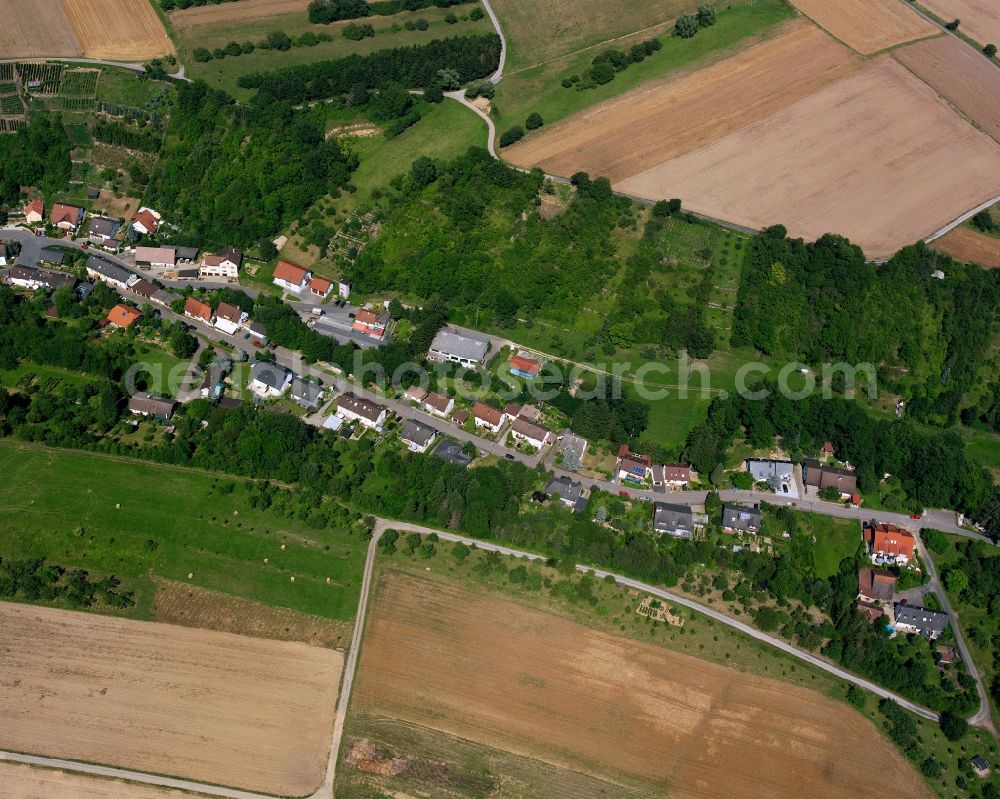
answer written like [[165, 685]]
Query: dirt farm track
[[867, 26], [541, 686], [116, 30], [197, 704], [25, 782]]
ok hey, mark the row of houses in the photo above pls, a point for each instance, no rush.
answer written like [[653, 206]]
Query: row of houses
[[225, 263], [524, 422], [230, 319], [70, 218], [634, 468]]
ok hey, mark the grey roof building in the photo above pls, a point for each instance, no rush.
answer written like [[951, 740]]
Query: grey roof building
[[305, 393], [458, 348], [418, 436], [740, 517], [451, 451], [270, 375], [109, 272], [151, 405], [763, 470], [675, 520], [186, 253], [164, 297], [924, 621], [103, 228], [84, 290], [51, 256], [567, 490]]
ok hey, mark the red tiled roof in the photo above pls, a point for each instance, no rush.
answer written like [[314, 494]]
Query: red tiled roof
[[197, 309], [147, 220], [290, 273], [527, 365], [676, 472], [320, 285], [487, 413], [890, 540], [65, 213], [123, 316], [35, 205]]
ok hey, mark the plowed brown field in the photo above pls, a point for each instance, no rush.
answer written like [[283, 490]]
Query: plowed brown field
[[118, 30], [849, 159], [35, 29], [971, 246], [980, 18], [203, 705], [653, 124], [235, 12], [522, 680], [961, 75], [24, 782], [867, 25]]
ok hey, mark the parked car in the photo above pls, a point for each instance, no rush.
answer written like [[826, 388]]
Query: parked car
[[509, 456], [623, 494]]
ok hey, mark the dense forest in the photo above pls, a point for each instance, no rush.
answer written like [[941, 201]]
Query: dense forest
[[37, 155], [232, 175], [416, 66], [823, 302]]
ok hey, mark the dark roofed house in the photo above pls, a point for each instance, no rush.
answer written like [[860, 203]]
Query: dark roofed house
[[821, 476], [568, 491], [110, 273], [306, 394], [352, 407], [145, 289], [451, 451], [675, 520], [186, 253], [876, 586], [145, 404], [52, 256], [923, 621], [981, 766], [418, 437], [739, 518], [102, 229]]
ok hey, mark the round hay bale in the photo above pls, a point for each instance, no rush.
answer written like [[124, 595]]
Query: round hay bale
[[292, 578], [190, 575]]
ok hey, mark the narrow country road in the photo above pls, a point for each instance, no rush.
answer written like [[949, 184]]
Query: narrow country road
[[325, 791], [132, 776]]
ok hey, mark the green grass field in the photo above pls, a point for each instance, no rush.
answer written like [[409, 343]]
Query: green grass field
[[62, 506], [224, 74], [538, 88], [836, 539]]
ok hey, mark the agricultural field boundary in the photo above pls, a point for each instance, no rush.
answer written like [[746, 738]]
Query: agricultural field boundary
[[132, 776], [491, 137]]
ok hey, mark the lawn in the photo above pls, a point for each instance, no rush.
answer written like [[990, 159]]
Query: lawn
[[836, 539], [166, 371], [224, 74], [538, 88], [139, 520]]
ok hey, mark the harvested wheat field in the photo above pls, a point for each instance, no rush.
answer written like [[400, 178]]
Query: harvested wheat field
[[118, 30], [970, 246], [235, 12], [980, 18], [867, 25], [848, 159], [201, 705], [539, 685], [655, 123], [959, 74], [18, 781], [35, 29]]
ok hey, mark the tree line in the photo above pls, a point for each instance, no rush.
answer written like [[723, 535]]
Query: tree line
[[122, 134], [323, 12], [415, 66]]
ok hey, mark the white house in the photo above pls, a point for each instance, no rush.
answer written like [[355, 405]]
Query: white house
[[146, 221], [531, 433], [26, 277], [417, 437], [488, 417], [224, 263], [34, 212], [229, 318], [268, 380], [458, 348], [343, 289], [365, 412], [291, 277], [437, 404]]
